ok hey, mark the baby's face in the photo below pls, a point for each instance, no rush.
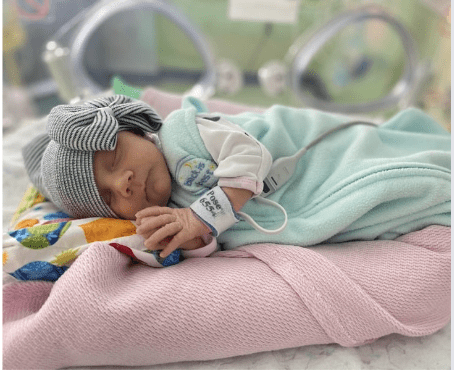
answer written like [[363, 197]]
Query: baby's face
[[132, 177]]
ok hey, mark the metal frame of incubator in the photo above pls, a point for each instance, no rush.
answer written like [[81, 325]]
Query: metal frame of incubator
[[65, 62]]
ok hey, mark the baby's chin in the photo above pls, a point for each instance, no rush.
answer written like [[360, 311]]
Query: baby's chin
[[165, 199], [165, 191], [160, 200]]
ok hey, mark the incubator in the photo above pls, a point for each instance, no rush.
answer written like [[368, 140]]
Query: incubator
[[367, 57], [68, 67], [312, 72], [346, 56]]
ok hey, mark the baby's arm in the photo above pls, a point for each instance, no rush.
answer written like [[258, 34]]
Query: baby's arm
[[242, 164], [202, 246], [176, 227], [238, 197], [171, 228]]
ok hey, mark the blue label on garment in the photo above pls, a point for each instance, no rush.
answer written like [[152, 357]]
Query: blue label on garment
[[196, 174]]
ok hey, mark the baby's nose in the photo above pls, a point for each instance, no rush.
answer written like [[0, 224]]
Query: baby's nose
[[123, 183]]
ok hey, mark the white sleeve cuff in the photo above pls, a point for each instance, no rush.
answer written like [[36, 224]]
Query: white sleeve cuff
[[236, 153], [242, 183]]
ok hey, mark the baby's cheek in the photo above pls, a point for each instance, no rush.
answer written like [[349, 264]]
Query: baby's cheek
[[128, 208], [163, 188]]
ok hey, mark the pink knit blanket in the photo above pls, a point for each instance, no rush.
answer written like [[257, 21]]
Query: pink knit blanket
[[105, 310]]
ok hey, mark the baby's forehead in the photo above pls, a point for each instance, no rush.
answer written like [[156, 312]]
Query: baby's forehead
[[129, 140], [101, 160], [137, 135]]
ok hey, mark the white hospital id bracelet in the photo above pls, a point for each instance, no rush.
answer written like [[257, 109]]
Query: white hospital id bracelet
[[215, 210]]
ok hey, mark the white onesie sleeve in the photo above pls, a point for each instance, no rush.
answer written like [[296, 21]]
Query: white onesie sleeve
[[243, 162]]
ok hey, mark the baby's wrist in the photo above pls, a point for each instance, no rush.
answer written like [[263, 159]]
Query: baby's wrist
[[206, 230], [215, 211]]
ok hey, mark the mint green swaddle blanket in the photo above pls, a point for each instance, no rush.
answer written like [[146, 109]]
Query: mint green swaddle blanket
[[360, 183]]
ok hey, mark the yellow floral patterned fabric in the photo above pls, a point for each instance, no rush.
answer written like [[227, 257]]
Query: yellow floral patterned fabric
[[107, 229], [44, 240], [31, 197]]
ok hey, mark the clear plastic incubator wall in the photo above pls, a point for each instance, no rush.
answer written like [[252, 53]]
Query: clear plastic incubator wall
[[368, 59], [360, 57]]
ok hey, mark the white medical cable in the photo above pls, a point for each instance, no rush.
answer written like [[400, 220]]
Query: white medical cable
[[254, 224], [281, 171], [283, 168]]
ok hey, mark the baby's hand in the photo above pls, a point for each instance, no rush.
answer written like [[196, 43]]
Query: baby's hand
[[158, 223], [195, 243]]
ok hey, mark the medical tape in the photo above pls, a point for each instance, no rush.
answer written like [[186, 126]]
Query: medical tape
[[215, 210]]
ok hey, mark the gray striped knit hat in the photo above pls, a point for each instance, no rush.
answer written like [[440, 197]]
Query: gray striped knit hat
[[60, 162]]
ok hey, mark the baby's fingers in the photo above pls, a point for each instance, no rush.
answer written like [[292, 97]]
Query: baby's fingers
[[152, 223], [175, 243], [152, 211], [169, 230], [147, 234]]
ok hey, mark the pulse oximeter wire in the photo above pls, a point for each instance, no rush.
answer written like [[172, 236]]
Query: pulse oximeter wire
[[282, 170]]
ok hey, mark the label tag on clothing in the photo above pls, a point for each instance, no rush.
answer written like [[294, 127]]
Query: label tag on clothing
[[215, 210], [195, 174]]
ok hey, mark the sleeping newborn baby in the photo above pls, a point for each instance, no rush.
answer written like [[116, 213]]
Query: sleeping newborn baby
[[99, 159], [185, 180], [134, 181]]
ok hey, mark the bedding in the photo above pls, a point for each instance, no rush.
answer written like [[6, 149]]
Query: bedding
[[44, 322], [44, 241], [360, 183], [104, 310]]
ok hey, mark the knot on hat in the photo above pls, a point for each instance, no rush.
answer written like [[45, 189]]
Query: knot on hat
[[94, 125]]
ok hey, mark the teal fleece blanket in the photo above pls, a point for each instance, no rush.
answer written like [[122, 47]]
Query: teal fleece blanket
[[361, 183]]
